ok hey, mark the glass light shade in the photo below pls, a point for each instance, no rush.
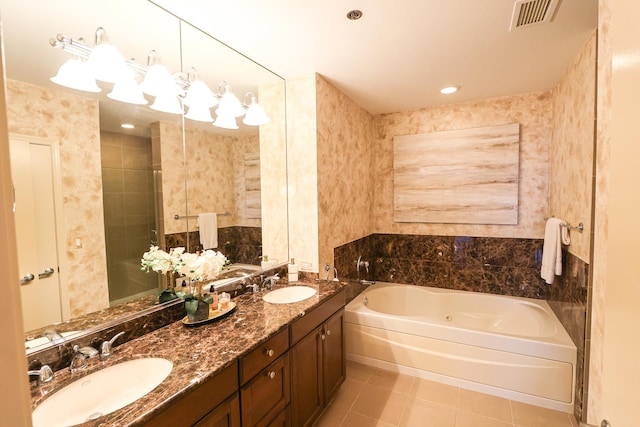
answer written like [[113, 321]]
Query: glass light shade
[[199, 95], [255, 115], [225, 121], [106, 63], [75, 74], [159, 80], [167, 104], [229, 105], [128, 90], [199, 113]]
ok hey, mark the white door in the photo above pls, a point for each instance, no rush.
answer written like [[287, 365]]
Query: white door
[[34, 172]]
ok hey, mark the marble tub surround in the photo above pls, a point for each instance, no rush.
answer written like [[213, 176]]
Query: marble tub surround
[[197, 353]]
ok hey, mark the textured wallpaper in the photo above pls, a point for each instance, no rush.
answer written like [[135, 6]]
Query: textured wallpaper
[[72, 121], [571, 156], [345, 147], [532, 111]]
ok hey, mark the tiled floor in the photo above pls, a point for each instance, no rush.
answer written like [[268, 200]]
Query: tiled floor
[[374, 397]]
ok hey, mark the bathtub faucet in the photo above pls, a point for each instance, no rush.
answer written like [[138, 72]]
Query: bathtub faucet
[[328, 269]]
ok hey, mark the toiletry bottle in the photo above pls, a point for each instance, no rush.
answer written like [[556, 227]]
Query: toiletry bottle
[[214, 303], [265, 261], [293, 271]]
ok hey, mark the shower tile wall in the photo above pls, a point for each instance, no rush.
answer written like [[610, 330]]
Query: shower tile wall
[[129, 211], [505, 266]]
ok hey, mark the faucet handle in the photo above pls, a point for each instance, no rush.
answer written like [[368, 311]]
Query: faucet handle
[[44, 374], [80, 356], [107, 347]]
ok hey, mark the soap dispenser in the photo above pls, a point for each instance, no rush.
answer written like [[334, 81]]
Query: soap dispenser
[[293, 271]]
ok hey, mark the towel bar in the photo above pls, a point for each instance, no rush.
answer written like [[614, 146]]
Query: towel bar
[[580, 226], [176, 216]]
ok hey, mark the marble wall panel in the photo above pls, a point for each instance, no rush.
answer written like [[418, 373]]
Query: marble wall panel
[[72, 121]]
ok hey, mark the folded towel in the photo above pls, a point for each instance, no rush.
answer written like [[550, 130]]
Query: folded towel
[[555, 235], [208, 224]]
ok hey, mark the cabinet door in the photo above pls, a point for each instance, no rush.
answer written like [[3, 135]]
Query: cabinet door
[[283, 419], [306, 384], [227, 414], [333, 356]]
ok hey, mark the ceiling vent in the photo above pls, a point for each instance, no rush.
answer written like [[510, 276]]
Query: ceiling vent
[[531, 12]]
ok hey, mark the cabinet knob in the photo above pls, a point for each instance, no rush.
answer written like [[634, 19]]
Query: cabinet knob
[[269, 352], [323, 337], [271, 375], [328, 332]]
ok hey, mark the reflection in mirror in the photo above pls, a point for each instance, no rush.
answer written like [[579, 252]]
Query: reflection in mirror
[[113, 191]]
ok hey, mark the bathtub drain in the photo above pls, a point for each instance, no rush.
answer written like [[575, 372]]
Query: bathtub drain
[[448, 318]]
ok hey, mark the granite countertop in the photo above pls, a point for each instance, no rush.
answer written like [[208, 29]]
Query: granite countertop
[[197, 353]]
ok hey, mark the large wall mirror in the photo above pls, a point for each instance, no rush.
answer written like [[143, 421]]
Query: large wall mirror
[[93, 196]]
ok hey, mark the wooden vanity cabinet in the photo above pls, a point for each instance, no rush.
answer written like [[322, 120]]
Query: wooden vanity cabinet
[[318, 363], [212, 404], [266, 387]]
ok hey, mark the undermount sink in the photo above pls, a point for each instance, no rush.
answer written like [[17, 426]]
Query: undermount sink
[[289, 295], [101, 392]]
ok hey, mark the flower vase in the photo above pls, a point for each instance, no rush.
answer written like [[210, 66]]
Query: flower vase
[[197, 310]]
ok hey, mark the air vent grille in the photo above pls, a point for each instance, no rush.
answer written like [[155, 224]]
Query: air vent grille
[[530, 12]]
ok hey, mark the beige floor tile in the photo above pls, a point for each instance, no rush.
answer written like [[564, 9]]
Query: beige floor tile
[[380, 403], [468, 419], [357, 371], [397, 382], [485, 405], [435, 392], [358, 420], [334, 414], [422, 413], [534, 416]]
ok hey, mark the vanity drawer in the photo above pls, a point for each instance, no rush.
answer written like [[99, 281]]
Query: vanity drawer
[[263, 355], [316, 316], [267, 394]]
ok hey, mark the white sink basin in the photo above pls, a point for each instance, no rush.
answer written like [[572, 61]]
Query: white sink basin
[[101, 392], [290, 294]]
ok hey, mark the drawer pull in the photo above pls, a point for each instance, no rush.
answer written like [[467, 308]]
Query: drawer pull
[[271, 375], [269, 352]]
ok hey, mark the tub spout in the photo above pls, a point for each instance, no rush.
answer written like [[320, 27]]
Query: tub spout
[[328, 268]]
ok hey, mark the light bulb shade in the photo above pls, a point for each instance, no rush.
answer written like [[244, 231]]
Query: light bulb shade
[[127, 90], [106, 63], [255, 115], [199, 95], [159, 81], [167, 104], [75, 74], [199, 114], [226, 121], [229, 105]]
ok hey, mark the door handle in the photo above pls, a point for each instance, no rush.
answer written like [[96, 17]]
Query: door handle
[[28, 278], [48, 272]]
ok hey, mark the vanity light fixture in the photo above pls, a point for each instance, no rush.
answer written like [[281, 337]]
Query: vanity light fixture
[[449, 90], [127, 126], [104, 63], [255, 115]]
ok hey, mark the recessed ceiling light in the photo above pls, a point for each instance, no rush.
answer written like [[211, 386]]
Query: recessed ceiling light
[[449, 90], [127, 126], [354, 14]]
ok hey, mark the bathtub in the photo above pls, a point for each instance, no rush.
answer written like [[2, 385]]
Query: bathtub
[[505, 346]]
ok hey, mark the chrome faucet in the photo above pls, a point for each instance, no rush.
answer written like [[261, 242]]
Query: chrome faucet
[[43, 375], [328, 268], [80, 356], [107, 347], [268, 282]]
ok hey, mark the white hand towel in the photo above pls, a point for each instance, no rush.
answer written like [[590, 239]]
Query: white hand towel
[[555, 235], [208, 224]]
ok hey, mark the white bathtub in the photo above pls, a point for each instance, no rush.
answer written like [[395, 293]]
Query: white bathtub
[[505, 346]]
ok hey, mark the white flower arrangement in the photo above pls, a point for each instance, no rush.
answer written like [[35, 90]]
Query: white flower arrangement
[[162, 262]]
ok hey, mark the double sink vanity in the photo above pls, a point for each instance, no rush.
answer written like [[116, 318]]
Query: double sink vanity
[[276, 361]]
